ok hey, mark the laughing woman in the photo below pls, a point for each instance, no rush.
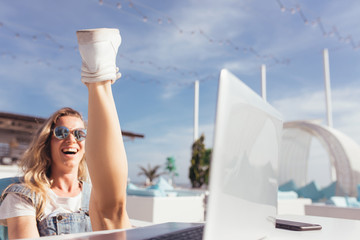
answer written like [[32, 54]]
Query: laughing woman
[[54, 196]]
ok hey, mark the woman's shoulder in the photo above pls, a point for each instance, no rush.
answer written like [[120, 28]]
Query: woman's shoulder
[[19, 189]]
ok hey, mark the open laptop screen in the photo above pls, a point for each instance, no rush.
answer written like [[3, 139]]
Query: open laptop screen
[[243, 174]]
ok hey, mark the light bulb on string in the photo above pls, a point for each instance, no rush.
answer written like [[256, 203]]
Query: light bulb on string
[[357, 47], [118, 5], [282, 8], [159, 21], [348, 39], [145, 19], [101, 2]]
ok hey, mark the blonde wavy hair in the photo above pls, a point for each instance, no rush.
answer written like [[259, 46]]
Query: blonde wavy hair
[[36, 161]]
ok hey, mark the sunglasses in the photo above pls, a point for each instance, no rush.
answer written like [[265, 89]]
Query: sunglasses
[[62, 132]]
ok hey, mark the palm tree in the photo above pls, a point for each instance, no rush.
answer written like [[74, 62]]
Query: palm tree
[[150, 173]]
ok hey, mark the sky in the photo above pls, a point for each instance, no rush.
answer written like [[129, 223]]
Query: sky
[[167, 46]]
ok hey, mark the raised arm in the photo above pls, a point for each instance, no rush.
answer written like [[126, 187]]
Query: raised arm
[[105, 152]]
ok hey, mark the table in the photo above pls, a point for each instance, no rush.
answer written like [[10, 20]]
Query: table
[[332, 229]]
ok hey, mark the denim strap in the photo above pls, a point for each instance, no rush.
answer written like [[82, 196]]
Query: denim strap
[[21, 189]]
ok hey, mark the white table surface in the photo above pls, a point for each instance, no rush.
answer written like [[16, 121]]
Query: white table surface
[[332, 229]]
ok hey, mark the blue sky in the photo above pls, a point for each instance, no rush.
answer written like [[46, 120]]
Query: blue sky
[[166, 46]]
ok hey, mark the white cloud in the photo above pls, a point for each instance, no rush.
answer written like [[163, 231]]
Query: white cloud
[[305, 106], [170, 90], [311, 105], [67, 93], [346, 109]]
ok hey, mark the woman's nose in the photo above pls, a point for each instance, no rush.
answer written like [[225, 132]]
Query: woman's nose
[[71, 138]]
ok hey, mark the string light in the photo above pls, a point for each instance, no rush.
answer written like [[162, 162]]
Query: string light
[[302, 14], [33, 37], [158, 20], [160, 68], [318, 23], [183, 74], [170, 22], [282, 8], [144, 17]]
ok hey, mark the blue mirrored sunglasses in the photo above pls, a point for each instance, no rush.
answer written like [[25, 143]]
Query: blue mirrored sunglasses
[[62, 132]]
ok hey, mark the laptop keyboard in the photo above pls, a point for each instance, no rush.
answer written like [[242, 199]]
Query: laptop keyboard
[[186, 234]]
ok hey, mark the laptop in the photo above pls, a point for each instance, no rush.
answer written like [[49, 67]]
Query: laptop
[[243, 186], [243, 176]]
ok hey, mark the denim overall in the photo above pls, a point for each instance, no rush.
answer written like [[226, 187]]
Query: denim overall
[[62, 223]]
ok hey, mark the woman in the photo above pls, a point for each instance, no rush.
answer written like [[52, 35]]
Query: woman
[[53, 196]]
